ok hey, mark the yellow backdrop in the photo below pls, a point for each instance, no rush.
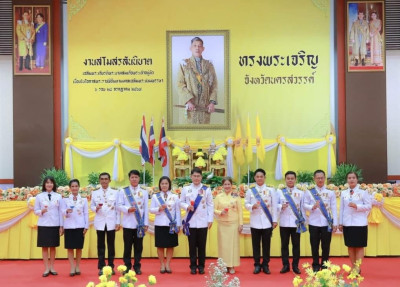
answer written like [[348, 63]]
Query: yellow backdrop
[[278, 30]]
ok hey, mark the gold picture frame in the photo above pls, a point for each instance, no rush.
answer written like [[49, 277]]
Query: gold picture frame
[[365, 33], [184, 80], [32, 40]]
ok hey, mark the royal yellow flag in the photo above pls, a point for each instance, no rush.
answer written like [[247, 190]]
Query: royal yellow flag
[[238, 153], [249, 147], [259, 141]]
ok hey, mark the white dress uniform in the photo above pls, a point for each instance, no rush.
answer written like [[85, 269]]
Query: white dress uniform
[[105, 222], [316, 218], [355, 220], [318, 224], [108, 214], [76, 221], [203, 215], [130, 224], [49, 222], [163, 238], [141, 198], [288, 226], [260, 226]]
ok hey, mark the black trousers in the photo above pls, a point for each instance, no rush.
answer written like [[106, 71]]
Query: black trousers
[[197, 247], [286, 234], [101, 247], [131, 239], [317, 235], [262, 236]]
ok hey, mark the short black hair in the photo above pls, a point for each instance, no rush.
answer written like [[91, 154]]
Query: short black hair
[[289, 172], [161, 179], [351, 172], [227, 178], [74, 180], [196, 170], [259, 170], [319, 171], [135, 172], [195, 39], [46, 179], [39, 14], [105, 173]]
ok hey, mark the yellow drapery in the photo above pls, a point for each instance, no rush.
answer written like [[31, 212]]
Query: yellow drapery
[[19, 241]]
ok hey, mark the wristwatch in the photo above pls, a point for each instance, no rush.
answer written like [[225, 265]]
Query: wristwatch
[[213, 102]]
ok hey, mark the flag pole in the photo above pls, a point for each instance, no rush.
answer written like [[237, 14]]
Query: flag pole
[[248, 175], [144, 175], [153, 172]]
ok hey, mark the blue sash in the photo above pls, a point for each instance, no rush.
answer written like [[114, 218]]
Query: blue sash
[[263, 205], [172, 221], [300, 219], [185, 223], [323, 209], [139, 219]]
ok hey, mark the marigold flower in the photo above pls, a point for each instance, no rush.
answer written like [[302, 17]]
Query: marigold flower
[[152, 280], [90, 284], [103, 278], [122, 280], [107, 270], [121, 268], [296, 281], [346, 267]]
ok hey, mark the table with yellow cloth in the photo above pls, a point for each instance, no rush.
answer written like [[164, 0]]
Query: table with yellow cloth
[[19, 240]]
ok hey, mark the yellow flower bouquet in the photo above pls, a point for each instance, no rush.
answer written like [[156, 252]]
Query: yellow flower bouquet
[[332, 275], [126, 279]]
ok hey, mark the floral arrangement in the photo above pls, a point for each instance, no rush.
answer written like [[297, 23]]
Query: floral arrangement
[[218, 277], [126, 279], [182, 156], [200, 162], [379, 191], [333, 275], [217, 156]]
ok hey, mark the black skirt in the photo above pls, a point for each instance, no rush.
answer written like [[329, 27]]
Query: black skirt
[[74, 238], [48, 236], [355, 236], [163, 238]]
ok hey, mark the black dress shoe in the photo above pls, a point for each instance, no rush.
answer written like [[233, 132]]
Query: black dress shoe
[[356, 63], [71, 274], [46, 274], [53, 273], [363, 62], [296, 270], [169, 271], [162, 271], [113, 272], [315, 269], [257, 269], [100, 272], [77, 272], [138, 271], [266, 270], [201, 270], [285, 269], [193, 271]]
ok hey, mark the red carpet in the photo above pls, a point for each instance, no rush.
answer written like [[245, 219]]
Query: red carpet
[[377, 272]]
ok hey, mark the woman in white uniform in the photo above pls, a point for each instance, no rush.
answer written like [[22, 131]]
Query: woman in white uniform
[[355, 205], [76, 223], [47, 207]]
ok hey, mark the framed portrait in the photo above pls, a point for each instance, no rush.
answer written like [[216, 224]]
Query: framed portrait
[[198, 80], [365, 36], [32, 40]]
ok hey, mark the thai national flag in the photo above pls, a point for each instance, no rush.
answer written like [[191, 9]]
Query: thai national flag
[[162, 147], [152, 142], [144, 146]]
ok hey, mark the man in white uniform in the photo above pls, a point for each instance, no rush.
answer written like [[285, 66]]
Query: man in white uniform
[[197, 200], [106, 220], [261, 201], [133, 203]]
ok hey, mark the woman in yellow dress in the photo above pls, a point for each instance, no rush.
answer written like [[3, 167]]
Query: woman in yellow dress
[[375, 27], [228, 210]]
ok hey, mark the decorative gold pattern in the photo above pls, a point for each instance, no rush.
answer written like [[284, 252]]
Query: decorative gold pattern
[[74, 6], [322, 5]]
